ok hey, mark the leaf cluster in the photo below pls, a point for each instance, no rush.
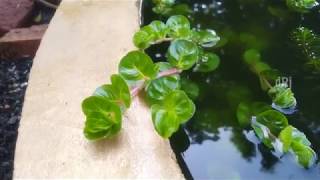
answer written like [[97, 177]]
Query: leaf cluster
[[170, 106], [187, 47], [272, 128], [282, 96]]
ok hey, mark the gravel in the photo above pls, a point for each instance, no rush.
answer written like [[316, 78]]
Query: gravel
[[13, 83]]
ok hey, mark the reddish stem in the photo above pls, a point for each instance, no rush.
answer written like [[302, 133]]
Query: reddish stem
[[136, 89], [169, 72]]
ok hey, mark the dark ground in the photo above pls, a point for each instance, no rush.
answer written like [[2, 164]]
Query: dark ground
[[14, 76], [13, 83]]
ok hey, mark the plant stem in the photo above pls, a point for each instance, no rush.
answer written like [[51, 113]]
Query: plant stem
[[169, 72], [136, 89], [266, 81]]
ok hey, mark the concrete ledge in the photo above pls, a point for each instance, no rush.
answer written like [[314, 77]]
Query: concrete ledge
[[80, 50]]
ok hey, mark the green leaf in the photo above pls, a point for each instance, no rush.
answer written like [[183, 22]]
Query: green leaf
[[137, 66], [274, 120], [157, 89], [285, 137], [246, 110], [144, 37], [279, 12], [271, 74], [252, 56], [156, 30], [163, 7], [302, 6], [179, 26], [103, 118], [208, 62], [190, 88], [166, 2], [118, 92], [291, 134], [282, 96], [205, 38], [183, 54], [175, 109], [305, 156], [263, 133], [261, 67], [180, 9], [159, 29]]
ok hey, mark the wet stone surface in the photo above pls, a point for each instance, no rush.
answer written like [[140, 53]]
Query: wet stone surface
[[13, 83]]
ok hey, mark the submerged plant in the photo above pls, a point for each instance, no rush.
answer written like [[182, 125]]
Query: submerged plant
[[168, 8], [271, 126], [309, 43], [302, 6], [273, 130], [282, 96], [170, 106]]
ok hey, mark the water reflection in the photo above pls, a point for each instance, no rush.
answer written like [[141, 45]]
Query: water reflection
[[233, 156]]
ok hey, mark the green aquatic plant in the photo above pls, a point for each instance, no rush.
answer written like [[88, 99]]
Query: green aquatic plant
[[282, 95], [272, 128], [302, 6], [169, 8], [170, 96], [170, 105], [309, 43]]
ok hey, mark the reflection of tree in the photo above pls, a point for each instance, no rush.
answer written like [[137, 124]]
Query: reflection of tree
[[205, 126], [268, 159], [245, 147], [207, 121]]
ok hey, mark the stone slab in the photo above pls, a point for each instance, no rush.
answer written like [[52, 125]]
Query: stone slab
[[80, 50], [22, 42], [14, 13]]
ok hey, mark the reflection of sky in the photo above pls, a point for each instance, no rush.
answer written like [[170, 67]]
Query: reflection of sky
[[226, 162]]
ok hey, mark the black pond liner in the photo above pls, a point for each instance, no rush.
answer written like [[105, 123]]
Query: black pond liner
[[14, 75], [212, 145]]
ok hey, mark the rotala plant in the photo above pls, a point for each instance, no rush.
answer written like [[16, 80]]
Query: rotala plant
[[309, 43]]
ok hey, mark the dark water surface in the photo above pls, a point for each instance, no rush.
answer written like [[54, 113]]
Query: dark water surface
[[212, 144]]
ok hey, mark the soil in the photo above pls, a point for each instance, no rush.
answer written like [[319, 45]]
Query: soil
[[13, 83]]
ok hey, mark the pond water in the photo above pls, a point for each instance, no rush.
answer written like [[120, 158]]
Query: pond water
[[212, 144]]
